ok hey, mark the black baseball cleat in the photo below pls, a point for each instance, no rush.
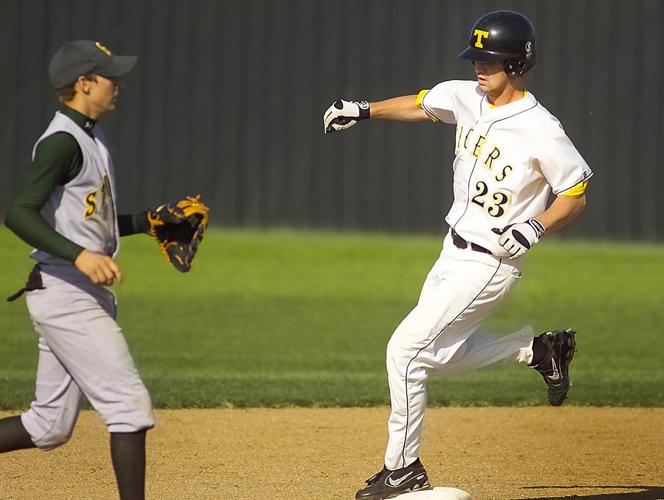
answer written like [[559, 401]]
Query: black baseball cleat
[[560, 346], [391, 483]]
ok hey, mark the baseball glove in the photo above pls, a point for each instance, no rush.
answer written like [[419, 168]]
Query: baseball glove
[[178, 228]]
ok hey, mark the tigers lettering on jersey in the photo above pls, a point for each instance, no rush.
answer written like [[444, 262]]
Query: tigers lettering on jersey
[[477, 146]]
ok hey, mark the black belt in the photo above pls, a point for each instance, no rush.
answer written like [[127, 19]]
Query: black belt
[[459, 242]]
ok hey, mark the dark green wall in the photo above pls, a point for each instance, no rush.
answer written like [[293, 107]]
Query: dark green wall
[[228, 96]]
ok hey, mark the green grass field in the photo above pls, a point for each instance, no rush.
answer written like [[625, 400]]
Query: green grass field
[[281, 318]]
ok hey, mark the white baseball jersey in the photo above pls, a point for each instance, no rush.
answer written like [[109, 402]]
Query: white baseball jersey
[[83, 210], [508, 159]]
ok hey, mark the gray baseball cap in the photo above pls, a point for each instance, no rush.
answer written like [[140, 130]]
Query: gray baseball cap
[[80, 57]]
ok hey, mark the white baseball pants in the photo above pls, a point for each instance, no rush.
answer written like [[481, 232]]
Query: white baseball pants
[[461, 290], [82, 351]]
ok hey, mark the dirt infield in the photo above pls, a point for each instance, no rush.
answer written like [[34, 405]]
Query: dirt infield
[[495, 453]]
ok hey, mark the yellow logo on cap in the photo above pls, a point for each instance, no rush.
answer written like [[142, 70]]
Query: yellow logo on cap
[[480, 35], [103, 48]]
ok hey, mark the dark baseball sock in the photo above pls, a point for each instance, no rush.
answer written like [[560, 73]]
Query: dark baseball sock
[[13, 435], [539, 352], [128, 455]]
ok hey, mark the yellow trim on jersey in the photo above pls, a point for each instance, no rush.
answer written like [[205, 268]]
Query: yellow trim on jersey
[[491, 106], [420, 96], [418, 101], [576, 190]]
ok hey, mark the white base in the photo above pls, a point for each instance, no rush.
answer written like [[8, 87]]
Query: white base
[[437, 494]]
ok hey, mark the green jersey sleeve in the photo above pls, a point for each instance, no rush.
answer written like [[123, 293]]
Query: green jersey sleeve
[[58, 159]]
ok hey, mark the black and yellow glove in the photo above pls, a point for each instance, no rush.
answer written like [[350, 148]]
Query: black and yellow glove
[[179, 228]]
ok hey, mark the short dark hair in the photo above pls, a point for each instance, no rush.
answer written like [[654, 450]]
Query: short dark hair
[[66, 94]]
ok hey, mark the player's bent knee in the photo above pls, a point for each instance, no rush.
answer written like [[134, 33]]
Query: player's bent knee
[[49, 430], [132, 415], [51, 441], [396, 358], [398, 350], [56, 436]]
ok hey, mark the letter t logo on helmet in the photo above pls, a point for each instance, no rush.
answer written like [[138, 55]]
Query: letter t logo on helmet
[[480, 34]]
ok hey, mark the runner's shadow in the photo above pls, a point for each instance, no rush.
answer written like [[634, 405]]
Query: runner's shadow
[[640, 493]]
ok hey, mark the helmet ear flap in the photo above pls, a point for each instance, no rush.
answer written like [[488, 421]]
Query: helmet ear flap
[[514, 67]]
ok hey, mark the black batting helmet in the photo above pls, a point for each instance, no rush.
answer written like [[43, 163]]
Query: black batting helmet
[[503, 36]]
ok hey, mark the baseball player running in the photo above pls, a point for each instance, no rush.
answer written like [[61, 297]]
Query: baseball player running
[[510, 154], [66, 209]]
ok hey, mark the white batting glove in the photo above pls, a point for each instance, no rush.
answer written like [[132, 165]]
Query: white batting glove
[[518, 238], [344, 114]]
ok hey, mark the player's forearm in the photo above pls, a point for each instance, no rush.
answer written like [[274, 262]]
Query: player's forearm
[[403, 109], [56, 162], [129, 224], [28, 224], [562, 211]]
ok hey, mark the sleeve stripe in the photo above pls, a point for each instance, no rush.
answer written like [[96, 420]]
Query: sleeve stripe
[[577, 190], [420, 98], [568, 191]]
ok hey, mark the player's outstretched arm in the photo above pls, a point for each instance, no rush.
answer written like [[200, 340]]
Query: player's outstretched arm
[[344, 114], [401, 109]]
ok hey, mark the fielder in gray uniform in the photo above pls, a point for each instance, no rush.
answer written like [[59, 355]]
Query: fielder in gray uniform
[[66, 209]]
